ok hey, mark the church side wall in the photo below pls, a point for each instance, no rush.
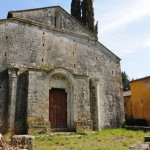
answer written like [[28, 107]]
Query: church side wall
[[28, 46]]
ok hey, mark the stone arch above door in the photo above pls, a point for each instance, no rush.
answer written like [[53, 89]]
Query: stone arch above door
[[64, 72], [63, 79]]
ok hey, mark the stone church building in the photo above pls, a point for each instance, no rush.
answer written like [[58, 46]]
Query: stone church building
[[55, 75]]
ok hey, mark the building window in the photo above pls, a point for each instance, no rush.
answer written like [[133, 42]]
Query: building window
[[58, 23]]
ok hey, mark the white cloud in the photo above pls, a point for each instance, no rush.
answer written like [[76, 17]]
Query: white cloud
[[146, 43], [123, 14], [113, 32], [124, 29]]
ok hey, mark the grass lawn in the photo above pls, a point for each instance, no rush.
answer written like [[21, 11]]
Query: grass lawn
[[116, 139]]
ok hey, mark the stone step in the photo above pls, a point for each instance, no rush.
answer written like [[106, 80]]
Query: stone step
[[60, 130], [57, 134], [62, 133]]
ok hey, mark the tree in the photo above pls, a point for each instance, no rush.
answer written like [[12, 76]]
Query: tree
[[88, 14], [125, 81], [96, 28], [76, 9]]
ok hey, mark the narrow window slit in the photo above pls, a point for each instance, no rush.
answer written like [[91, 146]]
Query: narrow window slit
[[55, 21]]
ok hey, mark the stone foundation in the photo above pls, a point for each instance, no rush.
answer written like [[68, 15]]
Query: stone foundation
[[38, 127], [83, 126]]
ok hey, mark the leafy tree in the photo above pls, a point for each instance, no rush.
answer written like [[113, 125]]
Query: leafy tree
[[88, 14], [76, 9], [125, 81]]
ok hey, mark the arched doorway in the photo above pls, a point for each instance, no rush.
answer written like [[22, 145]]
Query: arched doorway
[[58, 108], [61, 85]]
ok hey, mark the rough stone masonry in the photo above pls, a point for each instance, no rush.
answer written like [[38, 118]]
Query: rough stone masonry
[[54, 74]]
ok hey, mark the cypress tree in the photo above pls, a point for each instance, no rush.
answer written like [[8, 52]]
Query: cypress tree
[[76, 9], [88, 14], [125, 81], [96, 28]]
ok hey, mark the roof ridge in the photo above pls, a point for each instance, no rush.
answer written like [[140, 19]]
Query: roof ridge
[[140, 79], [34, 9]]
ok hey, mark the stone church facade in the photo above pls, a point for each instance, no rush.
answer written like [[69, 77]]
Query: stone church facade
[[55, 75]]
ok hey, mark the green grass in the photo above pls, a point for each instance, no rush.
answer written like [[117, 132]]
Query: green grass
[[116, 139]]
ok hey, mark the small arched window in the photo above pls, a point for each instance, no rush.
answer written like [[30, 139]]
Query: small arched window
[[58, 23]]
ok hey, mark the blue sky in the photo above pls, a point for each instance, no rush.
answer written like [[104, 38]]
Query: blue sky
[[124, 28]]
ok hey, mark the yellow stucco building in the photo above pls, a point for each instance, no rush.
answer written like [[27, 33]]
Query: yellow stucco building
[[138, 104], [140, 95]]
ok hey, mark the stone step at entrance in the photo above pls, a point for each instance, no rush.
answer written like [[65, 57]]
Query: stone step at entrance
[[65, 134], [62, 133], [61, 130]]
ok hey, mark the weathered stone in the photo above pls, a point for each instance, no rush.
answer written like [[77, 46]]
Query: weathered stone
[[140, 146], [23, 141]]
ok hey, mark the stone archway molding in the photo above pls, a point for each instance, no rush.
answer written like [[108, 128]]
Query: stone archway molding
[[70, 92], [64, 72]]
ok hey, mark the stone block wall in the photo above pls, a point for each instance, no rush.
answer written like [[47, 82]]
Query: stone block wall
[[26, 46], [40, 82]]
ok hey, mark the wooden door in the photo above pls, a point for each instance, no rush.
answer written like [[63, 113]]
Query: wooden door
[[58, 108]]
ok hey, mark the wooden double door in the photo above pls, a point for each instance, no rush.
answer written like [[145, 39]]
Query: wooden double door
[[58, 108]]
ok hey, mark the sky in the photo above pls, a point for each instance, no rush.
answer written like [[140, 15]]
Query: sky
[[124, 28]]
